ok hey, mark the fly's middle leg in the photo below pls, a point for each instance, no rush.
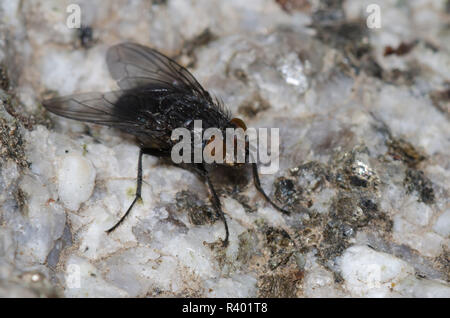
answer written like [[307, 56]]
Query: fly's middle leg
[[138, 192], [147, 151]]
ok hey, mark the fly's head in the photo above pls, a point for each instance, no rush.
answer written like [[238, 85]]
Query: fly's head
[[233, 146]]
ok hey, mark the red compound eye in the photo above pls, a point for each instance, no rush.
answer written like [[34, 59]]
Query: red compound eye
[[239, 123]]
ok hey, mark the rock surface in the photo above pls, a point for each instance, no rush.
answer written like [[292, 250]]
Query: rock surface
[[364, 153]]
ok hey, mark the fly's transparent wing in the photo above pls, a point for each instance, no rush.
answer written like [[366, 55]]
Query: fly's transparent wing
[[133, 65], [96, 108]]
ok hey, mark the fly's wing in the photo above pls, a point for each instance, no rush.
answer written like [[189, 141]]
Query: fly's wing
[[149, 82], [121, 109], [96, 108], [133, 65]]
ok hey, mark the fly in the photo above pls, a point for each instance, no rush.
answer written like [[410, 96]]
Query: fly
[[156, 96]]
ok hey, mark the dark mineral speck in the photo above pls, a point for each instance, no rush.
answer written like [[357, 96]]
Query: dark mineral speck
[[85, 36], [198, 212], [280, 245], [416, 181], [403, 150], [286, 191]]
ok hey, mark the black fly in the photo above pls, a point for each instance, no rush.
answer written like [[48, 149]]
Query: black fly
[[157, 95]]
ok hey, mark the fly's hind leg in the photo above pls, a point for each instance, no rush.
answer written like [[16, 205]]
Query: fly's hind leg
[[147, 151]]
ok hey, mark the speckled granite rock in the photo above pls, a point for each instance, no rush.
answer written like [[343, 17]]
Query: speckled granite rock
[[364, 142]]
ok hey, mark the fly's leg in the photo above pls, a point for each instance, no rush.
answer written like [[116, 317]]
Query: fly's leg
[[218, 206], [147, 151], [138, 192], [261, 190], [200, 169]]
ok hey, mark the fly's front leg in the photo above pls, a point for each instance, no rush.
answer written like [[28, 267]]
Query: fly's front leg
[[261, 190], [215, 200], [218, 206]]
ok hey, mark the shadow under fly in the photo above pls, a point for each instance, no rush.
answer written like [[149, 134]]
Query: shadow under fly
[[156, 96]]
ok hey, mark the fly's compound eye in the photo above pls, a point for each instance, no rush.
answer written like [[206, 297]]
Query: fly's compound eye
[[239, 123]]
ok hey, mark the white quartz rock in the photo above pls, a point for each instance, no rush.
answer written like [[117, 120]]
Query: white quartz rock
[[76, 178], [442, 225], [82, 279], [370, 273], [235, 286]]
